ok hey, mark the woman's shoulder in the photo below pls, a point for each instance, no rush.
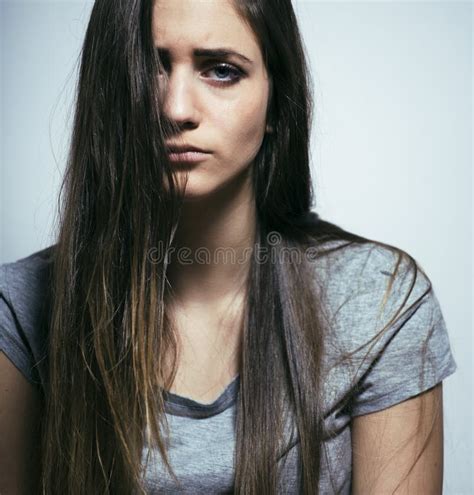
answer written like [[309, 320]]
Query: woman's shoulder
[[27, 273], [24, 299], [348, 267], [365, 288]]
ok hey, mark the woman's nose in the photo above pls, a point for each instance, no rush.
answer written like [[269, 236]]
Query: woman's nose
[[179, 98]]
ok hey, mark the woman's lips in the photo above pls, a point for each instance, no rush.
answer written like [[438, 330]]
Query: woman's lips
[[187, 156]]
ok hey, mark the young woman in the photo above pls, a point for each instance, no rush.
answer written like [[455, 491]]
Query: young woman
[[197, 328]]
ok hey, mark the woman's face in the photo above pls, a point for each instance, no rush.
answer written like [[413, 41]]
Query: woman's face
[[219, 101]]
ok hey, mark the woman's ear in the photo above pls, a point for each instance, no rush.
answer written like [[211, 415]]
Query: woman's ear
[[269, 129]]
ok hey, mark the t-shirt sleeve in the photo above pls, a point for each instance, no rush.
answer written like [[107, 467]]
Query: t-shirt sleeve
[[413, 354], [20, 337], [13, 342]]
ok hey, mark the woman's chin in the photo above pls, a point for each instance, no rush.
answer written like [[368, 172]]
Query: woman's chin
[[201, 185]]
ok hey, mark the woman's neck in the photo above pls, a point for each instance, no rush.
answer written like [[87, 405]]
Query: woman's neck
[[218, 234]]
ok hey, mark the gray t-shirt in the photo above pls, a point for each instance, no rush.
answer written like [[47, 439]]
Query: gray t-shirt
[[202, 436]]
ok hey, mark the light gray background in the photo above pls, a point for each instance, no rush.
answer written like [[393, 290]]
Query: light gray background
[[392, 145]]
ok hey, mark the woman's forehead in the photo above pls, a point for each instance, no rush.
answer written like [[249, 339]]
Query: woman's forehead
[[190, 24]]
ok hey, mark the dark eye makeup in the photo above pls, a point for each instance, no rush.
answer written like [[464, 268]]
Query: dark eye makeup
[[227, 74], [233, 71]]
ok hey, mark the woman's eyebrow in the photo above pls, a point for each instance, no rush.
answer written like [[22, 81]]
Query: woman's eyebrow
[[211, 53]]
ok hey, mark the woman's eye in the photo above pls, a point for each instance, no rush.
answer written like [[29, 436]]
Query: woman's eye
[[226, 74]]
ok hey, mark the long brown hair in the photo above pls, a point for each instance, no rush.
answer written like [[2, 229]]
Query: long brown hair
[[108, 326]]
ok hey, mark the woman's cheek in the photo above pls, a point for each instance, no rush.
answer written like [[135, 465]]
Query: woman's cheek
[[249, 124]]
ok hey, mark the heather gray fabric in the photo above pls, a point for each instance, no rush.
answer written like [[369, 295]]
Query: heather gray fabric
[[201, 444]]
